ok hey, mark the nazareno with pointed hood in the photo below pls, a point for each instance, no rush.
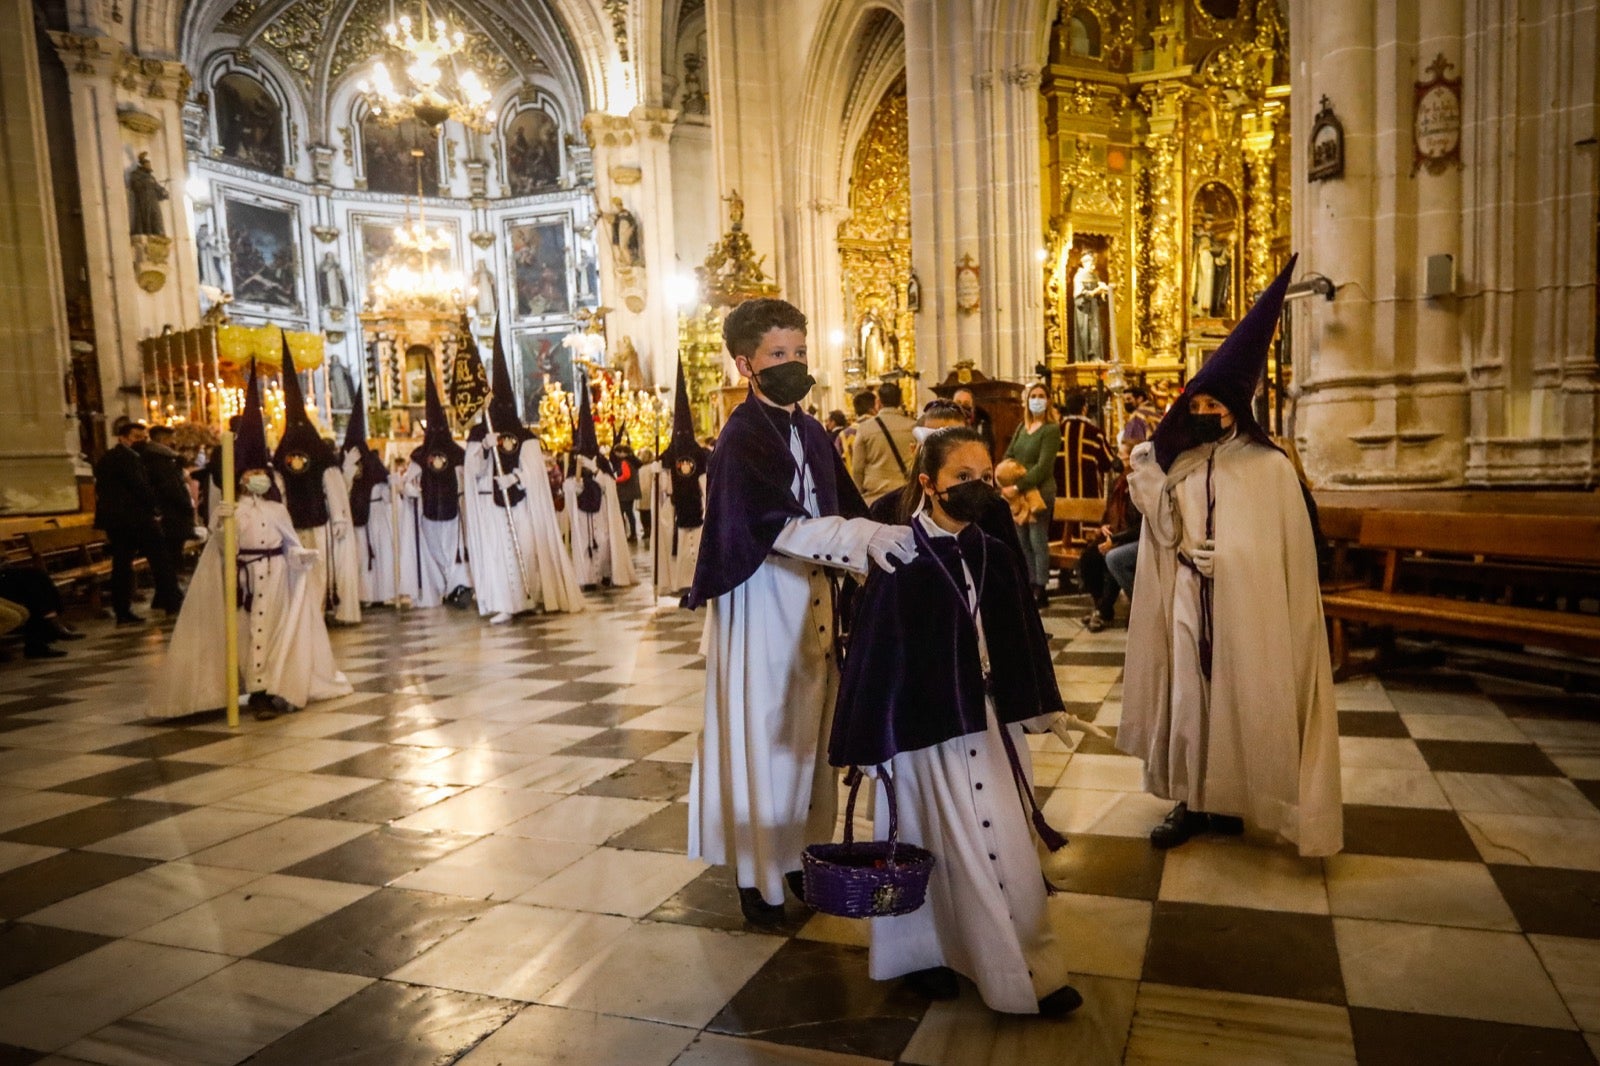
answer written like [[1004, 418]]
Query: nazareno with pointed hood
[[684, 459], [1230, 376], [370, 471], [585, 445], [250, 436], [440, 457], [505, 421], [302, 454]]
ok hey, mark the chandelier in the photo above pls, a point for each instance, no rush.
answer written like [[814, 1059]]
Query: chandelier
[[416, 275], [438, 83]]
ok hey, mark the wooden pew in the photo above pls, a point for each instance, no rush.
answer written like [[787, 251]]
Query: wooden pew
[[1483, 546], [1075, 514], [74, 557]]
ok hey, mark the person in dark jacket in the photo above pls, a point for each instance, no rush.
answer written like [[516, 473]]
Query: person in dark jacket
[[171, 487], [1119, 528], [126, 510], [625, 468]]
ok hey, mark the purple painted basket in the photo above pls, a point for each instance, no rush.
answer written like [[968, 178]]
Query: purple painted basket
[[870, 879]]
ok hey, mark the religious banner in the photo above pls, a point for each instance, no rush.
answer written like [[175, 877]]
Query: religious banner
[[469, 383]]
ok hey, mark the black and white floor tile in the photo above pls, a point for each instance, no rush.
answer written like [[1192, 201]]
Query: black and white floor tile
[[478, 857]]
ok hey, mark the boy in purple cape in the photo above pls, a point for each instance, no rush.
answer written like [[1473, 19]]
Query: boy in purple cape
[[781, 512]]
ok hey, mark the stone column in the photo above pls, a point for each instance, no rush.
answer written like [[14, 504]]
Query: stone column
[[123, 105], [1164, 104], [632, 163], [974, 148], [36, 435], [820, 294]]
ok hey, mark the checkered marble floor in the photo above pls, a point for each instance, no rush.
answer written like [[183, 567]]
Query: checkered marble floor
[[479, 858]]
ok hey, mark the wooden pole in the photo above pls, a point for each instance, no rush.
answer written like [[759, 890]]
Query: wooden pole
[[230, 581]]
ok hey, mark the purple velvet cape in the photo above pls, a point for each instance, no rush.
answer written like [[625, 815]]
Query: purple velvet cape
[[912, 675], [748, 493]]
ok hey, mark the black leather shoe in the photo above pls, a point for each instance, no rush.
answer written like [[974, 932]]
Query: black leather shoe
[[130, 619], [797, 884], [937, 983], [43, 651], [1226, 825], [263, 707], [1060, 1003], [1178, 827], [59, 630], [757, 911]]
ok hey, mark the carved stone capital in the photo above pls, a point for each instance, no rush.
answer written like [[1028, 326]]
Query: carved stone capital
[[605, 130]]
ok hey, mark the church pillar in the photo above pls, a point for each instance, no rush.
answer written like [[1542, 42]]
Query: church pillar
[[633, 169], [123, 105], [36, 449], [974, 147], [1164, 103]]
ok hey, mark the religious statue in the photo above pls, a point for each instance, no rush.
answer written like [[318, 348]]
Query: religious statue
[[331, 284], [1089, 294], [1221, 279], [626, 361], [735, 209], [625, 238], [483, 281], [145, 193], [211, 257]]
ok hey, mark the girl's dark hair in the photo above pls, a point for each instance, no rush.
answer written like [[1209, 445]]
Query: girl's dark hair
[[931, 457]]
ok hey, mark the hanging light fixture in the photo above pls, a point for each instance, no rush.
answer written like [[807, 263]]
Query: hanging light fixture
[[410, 276], [437, 83]]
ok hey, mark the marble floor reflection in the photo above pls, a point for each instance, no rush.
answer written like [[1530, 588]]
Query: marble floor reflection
[[478, 857]]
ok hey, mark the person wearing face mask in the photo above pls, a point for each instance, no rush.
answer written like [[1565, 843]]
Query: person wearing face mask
[[1034, 445], [948, 666], [285, 658], [1227, 691], [600, 554], [781, 515], [680, 491], [1143, 416], [977, 417]]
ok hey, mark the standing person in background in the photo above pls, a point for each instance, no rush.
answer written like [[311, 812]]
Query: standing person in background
[[781, 512], [625, 469], [126, 510], [1119, 531], [1227, 693], [1085, 453], [681, 489], [371, 510], [599, 552], [865, 406], [1143, 416], [880, 458], [1034, 445], [649, 467], [977, 417], [434, 564], [836, 425], [171, 485]]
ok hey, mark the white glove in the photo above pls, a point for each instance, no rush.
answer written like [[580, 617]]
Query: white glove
[[505, 481], [1064, 725], [890, 543], [302, 558], [1204, 559], [201, 533], [226, 509], [340, 530], [412, 489]]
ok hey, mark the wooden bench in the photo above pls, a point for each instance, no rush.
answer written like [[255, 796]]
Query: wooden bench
[[1075, 513], [1488, 550], [74, 557]]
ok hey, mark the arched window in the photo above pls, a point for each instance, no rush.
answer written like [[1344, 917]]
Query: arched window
[[388, 160], [249, 123], [533, 152]]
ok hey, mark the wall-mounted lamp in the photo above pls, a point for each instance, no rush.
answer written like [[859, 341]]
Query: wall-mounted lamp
[[1311, 285]]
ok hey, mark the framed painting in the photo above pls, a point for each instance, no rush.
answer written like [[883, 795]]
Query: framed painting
[[533, 152], [542, 359], [265, 252], [388, 161], [540, 268], [249, 123]]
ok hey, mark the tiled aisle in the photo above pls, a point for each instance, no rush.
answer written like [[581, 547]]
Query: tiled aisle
[[479, 857]]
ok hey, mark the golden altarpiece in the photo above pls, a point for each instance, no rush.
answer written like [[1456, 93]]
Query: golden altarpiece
[[1166, 183]]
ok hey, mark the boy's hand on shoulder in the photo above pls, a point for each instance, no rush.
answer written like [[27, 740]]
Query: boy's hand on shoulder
[[891, 543]]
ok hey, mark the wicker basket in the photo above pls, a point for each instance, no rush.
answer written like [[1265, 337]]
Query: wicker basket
[[871, 879]]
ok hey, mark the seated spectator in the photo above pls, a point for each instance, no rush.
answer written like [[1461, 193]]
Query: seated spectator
[[34, 595]]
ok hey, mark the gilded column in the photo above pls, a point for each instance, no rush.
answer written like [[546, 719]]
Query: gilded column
[[1259, 152], [1164, 262], [36, 469]]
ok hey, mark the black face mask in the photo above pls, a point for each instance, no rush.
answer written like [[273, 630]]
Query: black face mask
[[965, 501], [1130, 407], [786, 383], [1207, 428]]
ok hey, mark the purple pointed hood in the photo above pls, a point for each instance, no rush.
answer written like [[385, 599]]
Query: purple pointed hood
[[1230, 376]]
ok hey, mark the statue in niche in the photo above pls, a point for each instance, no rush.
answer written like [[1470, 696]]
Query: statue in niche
[[626, 361], [331, 284], [1204, 260], [1090, 294], [1221, 278], [145, 194], [625, 239], [211, 257], [483, 281]]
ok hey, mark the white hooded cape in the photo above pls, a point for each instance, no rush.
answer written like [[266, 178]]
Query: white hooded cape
[[674, 550], [1261, 739], [497, 577], [599, 540]]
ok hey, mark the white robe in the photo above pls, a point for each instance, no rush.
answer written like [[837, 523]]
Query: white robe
[[545, 576], [1260, 740], [761, 788], [675, 550], [376, 546], [338, 556], [985, 915], [283, 641], [599, 540], [433, 560]]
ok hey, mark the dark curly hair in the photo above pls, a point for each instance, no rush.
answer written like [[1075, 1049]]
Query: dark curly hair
[[746, 324]]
